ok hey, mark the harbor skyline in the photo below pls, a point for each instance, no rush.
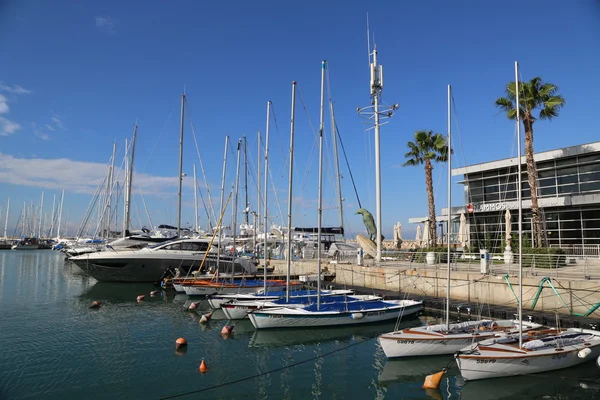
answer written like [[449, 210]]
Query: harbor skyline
[[80, 76]]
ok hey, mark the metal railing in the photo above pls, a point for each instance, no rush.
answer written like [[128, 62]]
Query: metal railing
[[580, 251]]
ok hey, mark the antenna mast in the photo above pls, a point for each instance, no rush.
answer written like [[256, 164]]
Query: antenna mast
[[375, 114]]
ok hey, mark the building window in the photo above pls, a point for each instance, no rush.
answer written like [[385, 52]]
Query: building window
[[569, 189], [590, 186]]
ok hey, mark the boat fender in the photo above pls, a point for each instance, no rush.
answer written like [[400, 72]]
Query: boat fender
[[598, 361], [357, 315], [583, 353]]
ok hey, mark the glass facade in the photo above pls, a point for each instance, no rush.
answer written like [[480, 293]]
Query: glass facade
[[563, 226]]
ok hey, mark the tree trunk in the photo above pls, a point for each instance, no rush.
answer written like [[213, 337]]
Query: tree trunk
[[536, 231], [429, 184]]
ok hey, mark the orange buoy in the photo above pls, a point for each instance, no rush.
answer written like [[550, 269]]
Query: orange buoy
[[95, 304], [153, 293], [181, 342], [140, 297], [227, 329], [202, 368], [433, 381]]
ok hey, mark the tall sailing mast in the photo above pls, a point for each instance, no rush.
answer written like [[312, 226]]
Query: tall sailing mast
[[289, 225], [376, 114], [180, 165], [129, 177], [6, 218], [266, 191], [320, 196], [336, 164]]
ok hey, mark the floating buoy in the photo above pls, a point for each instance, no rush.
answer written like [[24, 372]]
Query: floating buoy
[[202, 368], [205, 318], [227, 329], [357, 315], [95, 304], [193, 306], [181, 342], [140, 297], [583, 353], [433, 381], [153, 293]]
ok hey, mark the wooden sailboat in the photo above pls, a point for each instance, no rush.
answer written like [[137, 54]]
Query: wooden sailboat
[[446, 338], [533, 352]]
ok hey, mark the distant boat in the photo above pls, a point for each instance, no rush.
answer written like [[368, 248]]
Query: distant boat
[[26, 244]]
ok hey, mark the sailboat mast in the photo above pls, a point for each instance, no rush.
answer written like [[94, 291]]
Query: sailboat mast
[[51, 217], [41, 213], [449, 222], [129, 181], [62, 197], [289, 225], [520, 203], [195, 202], [220, 227], [235, 199], [180, 165], [337, 167], [246, 204], [266, 190], [320, 196], [6, 218], [111, 176], [258, 194]]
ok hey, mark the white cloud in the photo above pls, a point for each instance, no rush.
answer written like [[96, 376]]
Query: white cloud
[[14, 89], [3, 105], [56, 120], [50, 127], [8, 127], [107, 24], [76, 176]]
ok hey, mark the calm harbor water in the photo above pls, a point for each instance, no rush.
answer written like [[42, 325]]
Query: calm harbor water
[[52, 346]]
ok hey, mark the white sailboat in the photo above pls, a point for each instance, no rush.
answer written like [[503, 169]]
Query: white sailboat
[[530, 353], [337, 313], [446, 338]]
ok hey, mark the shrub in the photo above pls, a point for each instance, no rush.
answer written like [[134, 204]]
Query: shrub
[[543, 257]]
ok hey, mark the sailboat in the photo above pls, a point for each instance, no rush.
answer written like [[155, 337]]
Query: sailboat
[[343, 312], [533, 352], [446, 338]]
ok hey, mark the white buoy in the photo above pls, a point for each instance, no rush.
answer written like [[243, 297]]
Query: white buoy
[[598, 361], [583, 353], [357, 315]]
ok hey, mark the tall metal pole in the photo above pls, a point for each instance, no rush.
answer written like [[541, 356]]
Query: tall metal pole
[[6, 218], [520, 202], [449, 222], [221, 211], [41, 213], [266, 191], [290, 203], [235, 198], [62, 197], [180, 165], [337, 167], [51, 217], [258, 183], [126, 184], [111, 177], [320, 196], [195, 202], [246, 204], [129, 184], [377, 88]]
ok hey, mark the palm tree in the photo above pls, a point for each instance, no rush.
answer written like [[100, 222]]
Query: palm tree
[[535, 94], [427, 148]]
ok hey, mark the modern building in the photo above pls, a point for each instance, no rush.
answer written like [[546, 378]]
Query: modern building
[[569, 199]]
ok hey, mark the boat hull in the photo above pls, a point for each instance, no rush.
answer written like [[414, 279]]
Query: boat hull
[[424, 341], [132, 270], [503, 361], [274, 320]]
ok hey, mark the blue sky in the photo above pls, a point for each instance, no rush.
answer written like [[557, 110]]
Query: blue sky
[[76, 76]]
